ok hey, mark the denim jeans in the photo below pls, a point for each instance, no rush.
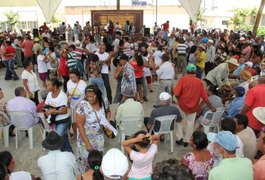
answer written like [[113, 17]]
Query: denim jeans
[[10, 72], [199, 72], [80, 67], [61, 129], [99, 82]]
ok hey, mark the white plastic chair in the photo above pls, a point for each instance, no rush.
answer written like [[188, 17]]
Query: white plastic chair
[[46, 128], [131, 126], [5, 129], [214, 121], [166, 127], [17, 118]]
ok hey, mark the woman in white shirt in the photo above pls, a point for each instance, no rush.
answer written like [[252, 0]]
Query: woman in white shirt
[[30, 81], [56, 104], [42, 67], [76, 93]]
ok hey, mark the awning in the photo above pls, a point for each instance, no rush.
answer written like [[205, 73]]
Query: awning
[[192, 8], [48, 8]]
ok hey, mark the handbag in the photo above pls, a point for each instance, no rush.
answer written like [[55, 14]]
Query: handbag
[[106, 131]]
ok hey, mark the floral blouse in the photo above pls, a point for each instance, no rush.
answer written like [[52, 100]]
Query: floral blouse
[[199, 169], [95, 68], [3, 121]]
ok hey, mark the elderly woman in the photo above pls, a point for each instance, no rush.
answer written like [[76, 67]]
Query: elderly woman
[[30, 81], [89, 113], [3, 120]]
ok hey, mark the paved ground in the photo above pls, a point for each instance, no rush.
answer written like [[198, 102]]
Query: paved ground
[[26, 159]]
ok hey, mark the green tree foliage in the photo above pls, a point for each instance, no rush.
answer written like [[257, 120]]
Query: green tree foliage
[[199, 15], [12, 19], [238, 20]]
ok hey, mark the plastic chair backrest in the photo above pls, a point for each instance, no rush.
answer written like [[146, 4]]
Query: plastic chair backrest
[[5, 116], [216, 116], [166, 124], [18, 118], [43, 119], [131, 124]]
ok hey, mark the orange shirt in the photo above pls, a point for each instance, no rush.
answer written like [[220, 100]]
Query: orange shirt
[[189, 92], [138, 70], [27, 46], [255, 98]]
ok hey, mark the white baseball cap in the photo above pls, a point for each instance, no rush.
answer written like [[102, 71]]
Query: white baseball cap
[[164, 96], [249, 64], [114, 164], [210, 41]]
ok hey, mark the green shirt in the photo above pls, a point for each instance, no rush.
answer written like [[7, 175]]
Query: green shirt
[[36, 47], [232, 169]]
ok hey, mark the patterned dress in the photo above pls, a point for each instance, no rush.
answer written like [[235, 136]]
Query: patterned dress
[[95, 134], [3, 120], [199, 169]]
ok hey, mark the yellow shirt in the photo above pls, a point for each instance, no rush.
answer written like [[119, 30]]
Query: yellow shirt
[[201, 59]]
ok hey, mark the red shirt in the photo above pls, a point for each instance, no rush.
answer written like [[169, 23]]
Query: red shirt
[[255, 98], [27, 46], [189, 92], [63, 68], [252, 71], [138, 70], [165, 26], [10, 52]]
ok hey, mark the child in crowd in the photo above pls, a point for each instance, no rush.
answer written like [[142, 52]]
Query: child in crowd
[[142, 160]]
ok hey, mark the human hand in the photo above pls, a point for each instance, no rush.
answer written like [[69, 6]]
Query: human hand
[[47, 112], [140, 137], [89, 147], [30, 94], [213, 109]]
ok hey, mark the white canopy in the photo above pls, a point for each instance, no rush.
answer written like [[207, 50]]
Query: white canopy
[[49, 7], [192, 8]]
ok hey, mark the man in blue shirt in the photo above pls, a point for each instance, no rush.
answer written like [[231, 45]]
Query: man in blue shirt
[[234, 107]]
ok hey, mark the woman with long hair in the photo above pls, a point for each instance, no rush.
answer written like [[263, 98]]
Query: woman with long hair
[[94, 162], [89, 113]]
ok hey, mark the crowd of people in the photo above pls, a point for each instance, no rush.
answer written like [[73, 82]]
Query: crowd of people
[[193, 73]]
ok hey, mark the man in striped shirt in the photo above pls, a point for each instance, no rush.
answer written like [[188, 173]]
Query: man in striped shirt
[[126, 47], [72, 60], [182, 58]]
